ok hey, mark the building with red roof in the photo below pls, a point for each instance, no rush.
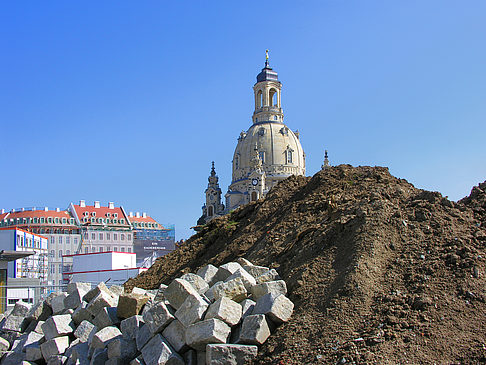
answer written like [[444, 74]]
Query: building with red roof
[[82, 229]]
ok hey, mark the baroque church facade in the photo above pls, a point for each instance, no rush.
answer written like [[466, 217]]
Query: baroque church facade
[[267, 153]]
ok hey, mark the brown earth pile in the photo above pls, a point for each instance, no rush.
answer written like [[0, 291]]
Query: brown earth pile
[[380, 272]]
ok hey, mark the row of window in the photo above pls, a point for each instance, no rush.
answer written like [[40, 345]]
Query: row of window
[[107, 249], [36, 220], [93, 214], [64, 239], [261, 155], [107, 236], [103, 220], [145, 225], [27, 242]]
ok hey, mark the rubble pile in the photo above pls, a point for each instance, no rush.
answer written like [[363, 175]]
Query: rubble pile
[[380, 272], [220, 315]]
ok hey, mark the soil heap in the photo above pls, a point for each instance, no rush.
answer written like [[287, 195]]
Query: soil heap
[[379, 271]]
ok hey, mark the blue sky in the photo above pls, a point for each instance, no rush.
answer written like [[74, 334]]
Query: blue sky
[[131, 101]]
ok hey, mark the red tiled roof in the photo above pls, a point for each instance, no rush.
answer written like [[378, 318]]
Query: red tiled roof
[[142, 219], [40, 213], [3, 215], [100, 212]]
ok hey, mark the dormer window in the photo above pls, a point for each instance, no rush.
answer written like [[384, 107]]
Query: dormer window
[[93, 214], [85, 214], [108, 214], [115, 215]]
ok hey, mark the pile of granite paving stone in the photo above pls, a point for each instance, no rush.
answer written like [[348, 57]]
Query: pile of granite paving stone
[[217, 316]]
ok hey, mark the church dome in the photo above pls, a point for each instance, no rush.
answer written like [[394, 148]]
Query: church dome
[[268, 151], [278, 148]]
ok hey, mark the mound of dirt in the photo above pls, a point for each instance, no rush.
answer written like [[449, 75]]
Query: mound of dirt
[[380, 272]]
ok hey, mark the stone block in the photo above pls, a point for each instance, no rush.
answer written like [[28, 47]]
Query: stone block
[[143, 336], [139, 291], [57, 303], [75, 298], [103, 299], [192, 310], [4, 345], [81, 314], [190, 357], [230, 354], [57, 360], [210, 292], [33, 353], [137, 361], [247, 279], [33, 338], [270, 275], [40, 311], [277, 307], [208, 273], [13, 323], [117, 290], [243, 262], [274, 287], [13, 358], [21, 308], [247, 307], [226, 270], [131, 326], [159, 297], [79, 352], [158, 351], [100, 357], [174, 333], [213, 330], [85, 330], [60, 325], [38, 327], [72, 344], [177, 292], [131, 304], [254, 330], [104, 336], [123, 349], [149, 305], [255, 270], [233, 289], [83, 287], [197, 282], [107, 316], [158, 317], [101, 287], [54, 346], [226, 310]]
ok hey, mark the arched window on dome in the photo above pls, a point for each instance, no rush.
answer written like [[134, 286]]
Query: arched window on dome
[[273, 97], [261, 154], [289, 155], [259, 99]]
